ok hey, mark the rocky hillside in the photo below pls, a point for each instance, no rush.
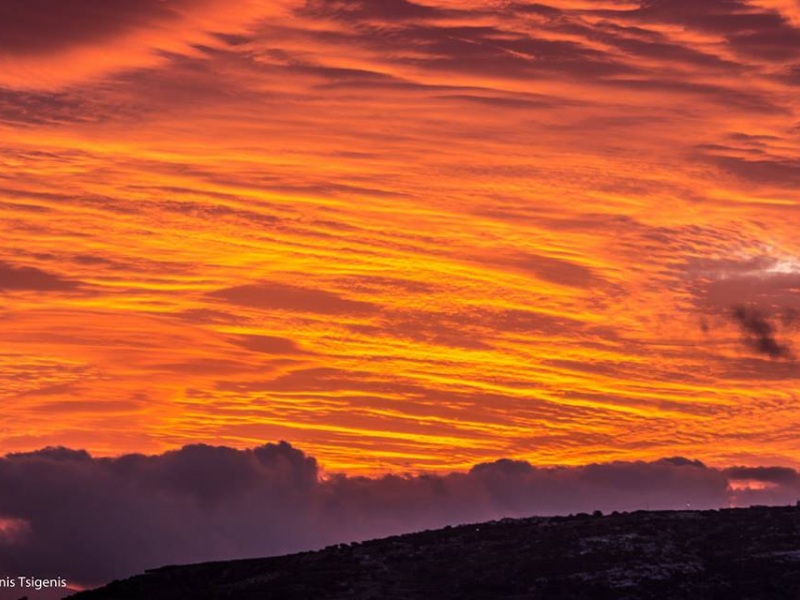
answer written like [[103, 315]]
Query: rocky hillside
[[728, 554]]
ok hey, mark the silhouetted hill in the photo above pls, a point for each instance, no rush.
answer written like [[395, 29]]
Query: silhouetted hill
[[718, 555]]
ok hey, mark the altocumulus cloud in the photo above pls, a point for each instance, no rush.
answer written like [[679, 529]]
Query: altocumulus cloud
[[94, 519]]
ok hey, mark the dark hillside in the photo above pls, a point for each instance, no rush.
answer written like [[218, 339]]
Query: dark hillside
[[728, 554]]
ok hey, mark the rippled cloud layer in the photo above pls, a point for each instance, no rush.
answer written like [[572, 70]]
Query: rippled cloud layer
[[405, 235]]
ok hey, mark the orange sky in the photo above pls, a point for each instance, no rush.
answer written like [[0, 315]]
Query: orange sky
[[399, 235]]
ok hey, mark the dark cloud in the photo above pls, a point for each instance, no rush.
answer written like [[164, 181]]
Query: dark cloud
[[759, 333], [267, 344], [751, 31], [611, 51], [719, 94], [39, 108], [45, 26], [13, 278], [776, 475], [461, 46], [394, 10], [556, 270], [650, 44], [93, 519], [292, 298], [781, 172], [100, 518]]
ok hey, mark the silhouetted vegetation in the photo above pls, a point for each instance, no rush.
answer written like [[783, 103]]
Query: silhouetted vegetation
[[741, 554]]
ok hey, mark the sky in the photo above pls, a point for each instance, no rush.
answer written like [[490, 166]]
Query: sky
[[277, 274], [402, 236]]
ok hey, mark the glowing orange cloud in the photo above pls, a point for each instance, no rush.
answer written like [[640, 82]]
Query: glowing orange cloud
[[404, 235]]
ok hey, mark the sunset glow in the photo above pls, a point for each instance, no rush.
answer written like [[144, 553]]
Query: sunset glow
[[403, 236]]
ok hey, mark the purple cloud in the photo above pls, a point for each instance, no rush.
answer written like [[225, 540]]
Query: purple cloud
[[94, 519]]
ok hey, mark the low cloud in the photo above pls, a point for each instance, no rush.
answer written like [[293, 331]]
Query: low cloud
[[774, 475], [94, 519]]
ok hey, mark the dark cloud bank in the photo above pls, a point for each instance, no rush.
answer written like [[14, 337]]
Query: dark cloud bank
[[94, 519]]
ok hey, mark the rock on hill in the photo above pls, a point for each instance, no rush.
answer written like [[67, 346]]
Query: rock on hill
[[728, 554]]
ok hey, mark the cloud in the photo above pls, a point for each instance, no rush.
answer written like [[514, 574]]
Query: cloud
[[756, 294], [556, 270], [779, 172], [763, 281], [93, 519], [775, 475], [13, 278], [759, 332], [367, 140], [752, 31], [45, 26], [26, 108], [267, 344], [47, 44], [395, 10], [292, 298], [789, 9]]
